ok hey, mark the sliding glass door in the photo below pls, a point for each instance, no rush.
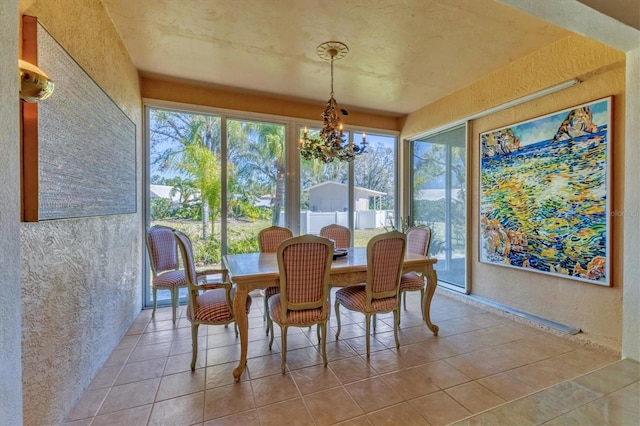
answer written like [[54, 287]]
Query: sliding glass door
[[221, 191], [438, 199]]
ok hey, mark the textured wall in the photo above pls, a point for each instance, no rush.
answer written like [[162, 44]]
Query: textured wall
[[595, 309], [10, 371], [81, 278]]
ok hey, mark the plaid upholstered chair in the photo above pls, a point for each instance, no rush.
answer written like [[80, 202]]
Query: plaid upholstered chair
[[165, 268], [209, 303], [380, 294], [304, 264], [340, 234], [268, 240], [418, 241]]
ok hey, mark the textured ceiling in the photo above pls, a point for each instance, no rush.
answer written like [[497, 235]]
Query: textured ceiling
[[403, 55]]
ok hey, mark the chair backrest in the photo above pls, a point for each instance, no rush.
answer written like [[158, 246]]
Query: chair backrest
[[304, 263], [338, 233], [419, 240], [186, 249], [162, 249], [385, 255], [270, 238]]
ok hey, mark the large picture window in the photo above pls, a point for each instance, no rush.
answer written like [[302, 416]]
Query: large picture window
[[221, 179]]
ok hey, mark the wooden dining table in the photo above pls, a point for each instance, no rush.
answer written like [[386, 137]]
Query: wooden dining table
[[260, 270]]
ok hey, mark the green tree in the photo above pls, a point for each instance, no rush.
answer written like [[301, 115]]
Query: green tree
[[260, 163], [189, 145]]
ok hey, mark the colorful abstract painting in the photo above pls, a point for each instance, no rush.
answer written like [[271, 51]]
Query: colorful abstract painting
[[544, 194]]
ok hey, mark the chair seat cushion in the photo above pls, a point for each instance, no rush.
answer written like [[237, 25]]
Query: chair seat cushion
[[411, 282], [271, 291], [212, 306], [302, 318], [170, 279], [354, 297]]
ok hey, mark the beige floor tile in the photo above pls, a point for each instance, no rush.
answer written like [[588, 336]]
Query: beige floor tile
[[439, 408], [227, 400], [339, 349], [357, 421], [352, 369], [137, 416], [88, 405], [285, 413], [587, 360], [181, 346], [128, 342], [474, 397], [183, 411], [136, 371], [331, 406], [247, 418], [611, 378], [373, 394], [410, 383], [263, 366], [147, 352], [156, 337], [118, 357], [182, 362], [475, 364], [105, 377], [221, 375], [303, 357], [180, 384], [130, 395], [626, 397], [401, 414], [442, 374], [505, 386], [223, 354], [525, 359], [544, 373], [272, 389], [359, 344], [314, 379]]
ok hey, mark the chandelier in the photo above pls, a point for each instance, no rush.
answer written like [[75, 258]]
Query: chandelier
[[331, 143]]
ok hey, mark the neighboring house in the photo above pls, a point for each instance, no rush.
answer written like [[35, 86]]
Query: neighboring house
[[334, 197], [264, 201], [164, 191]]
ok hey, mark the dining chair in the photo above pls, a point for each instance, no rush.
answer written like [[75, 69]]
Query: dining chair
[[209, 303], [268, 241], [418, 241], [380, 293], [304, 264], [165, 267], [338, 233]]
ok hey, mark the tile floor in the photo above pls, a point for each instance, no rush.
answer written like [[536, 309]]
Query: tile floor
[[482, 369]]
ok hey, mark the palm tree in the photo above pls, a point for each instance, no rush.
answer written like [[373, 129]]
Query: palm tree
[[188, 144], [260, 162]]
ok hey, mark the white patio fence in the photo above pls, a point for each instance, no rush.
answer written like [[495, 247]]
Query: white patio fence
[[312, 222]]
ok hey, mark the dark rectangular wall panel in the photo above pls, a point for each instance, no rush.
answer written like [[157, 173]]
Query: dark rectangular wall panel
[[86, 145]]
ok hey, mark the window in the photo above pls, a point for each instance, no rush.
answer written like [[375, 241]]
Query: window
[[222, 178], [359, 195], [439, 188]]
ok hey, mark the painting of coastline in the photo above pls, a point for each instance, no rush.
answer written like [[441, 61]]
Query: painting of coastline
[[544, 194]]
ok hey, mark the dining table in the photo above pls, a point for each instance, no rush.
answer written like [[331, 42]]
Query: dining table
[[253, 271]]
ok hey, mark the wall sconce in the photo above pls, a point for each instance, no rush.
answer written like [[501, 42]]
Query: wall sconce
[[35, 85]]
